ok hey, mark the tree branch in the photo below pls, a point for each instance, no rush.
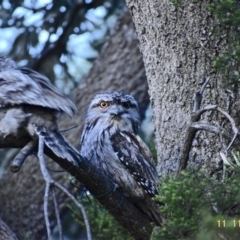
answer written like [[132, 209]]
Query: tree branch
[[195, 125], [129, 216], [22, 155], [59, 45]]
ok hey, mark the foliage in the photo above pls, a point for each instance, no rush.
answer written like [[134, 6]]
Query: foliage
[[61, 39], [103, 225], [196, 207], [194, 203], [228, 62]]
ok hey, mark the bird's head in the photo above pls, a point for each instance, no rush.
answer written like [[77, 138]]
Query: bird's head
[[115, 110]]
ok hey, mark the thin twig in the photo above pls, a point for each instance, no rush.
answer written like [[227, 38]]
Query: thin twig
[[205, 109], [57, 214], [79, 205], [233, 124], [45, 207], [205, 85], [231, 120], [206, 127], [48, 181], [198, 96], [197, 100], [216, 130], [49, 185]]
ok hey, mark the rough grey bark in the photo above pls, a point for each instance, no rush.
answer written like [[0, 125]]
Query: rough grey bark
[[120, 67], [177, 46]]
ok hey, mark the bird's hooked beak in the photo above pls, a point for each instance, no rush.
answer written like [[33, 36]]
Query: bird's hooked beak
[[116, 113]]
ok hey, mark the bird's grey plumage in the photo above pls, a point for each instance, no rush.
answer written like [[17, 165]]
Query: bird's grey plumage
[[58, 144], [27, 98], [6, 63], [30, 105], [110, 141], [25, 86]]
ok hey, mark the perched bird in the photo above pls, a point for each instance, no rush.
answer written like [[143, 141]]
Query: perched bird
[[110, 141], [28, 98]]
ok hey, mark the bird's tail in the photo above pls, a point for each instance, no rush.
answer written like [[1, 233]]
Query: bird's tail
[[58, 144], [150, 208]]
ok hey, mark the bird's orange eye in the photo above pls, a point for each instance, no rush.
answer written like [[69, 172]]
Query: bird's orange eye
[[126, 105], [104, 104]]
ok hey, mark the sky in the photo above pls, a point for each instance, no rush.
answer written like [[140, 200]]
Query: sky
[[78, 65]]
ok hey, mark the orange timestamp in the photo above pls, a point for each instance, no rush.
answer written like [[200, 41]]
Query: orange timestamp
[[230, 223]]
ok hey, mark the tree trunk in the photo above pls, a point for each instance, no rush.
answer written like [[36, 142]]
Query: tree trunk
[[118, 67], [177, 46]]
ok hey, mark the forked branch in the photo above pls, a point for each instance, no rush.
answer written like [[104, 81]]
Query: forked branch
[[50, 184], [196, 125]]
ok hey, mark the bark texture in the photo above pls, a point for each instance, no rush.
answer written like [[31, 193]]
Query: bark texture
[[118, 67], [177, 46]]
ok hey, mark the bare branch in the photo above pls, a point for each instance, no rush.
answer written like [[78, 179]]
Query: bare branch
[[22, 155], [60, 44], [231, 120], [205, 85], [184, 154], [198, 96], [206, 108], [45, 207], [80, 207], [57, 214], [194, 126], [233, 124], [216, 130], [206, 127], [48, 181], [49, 184], [133, 220], [191, 131]]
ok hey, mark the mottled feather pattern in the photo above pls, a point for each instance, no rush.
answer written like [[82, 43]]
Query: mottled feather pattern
[[134, 159], [25, 86], [110, 141], [12, 120], [58, 144], [6, 63], [30, 104], [28, 98]]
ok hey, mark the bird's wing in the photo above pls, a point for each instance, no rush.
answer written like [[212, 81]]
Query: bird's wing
[[25, 86], [135, 156]]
